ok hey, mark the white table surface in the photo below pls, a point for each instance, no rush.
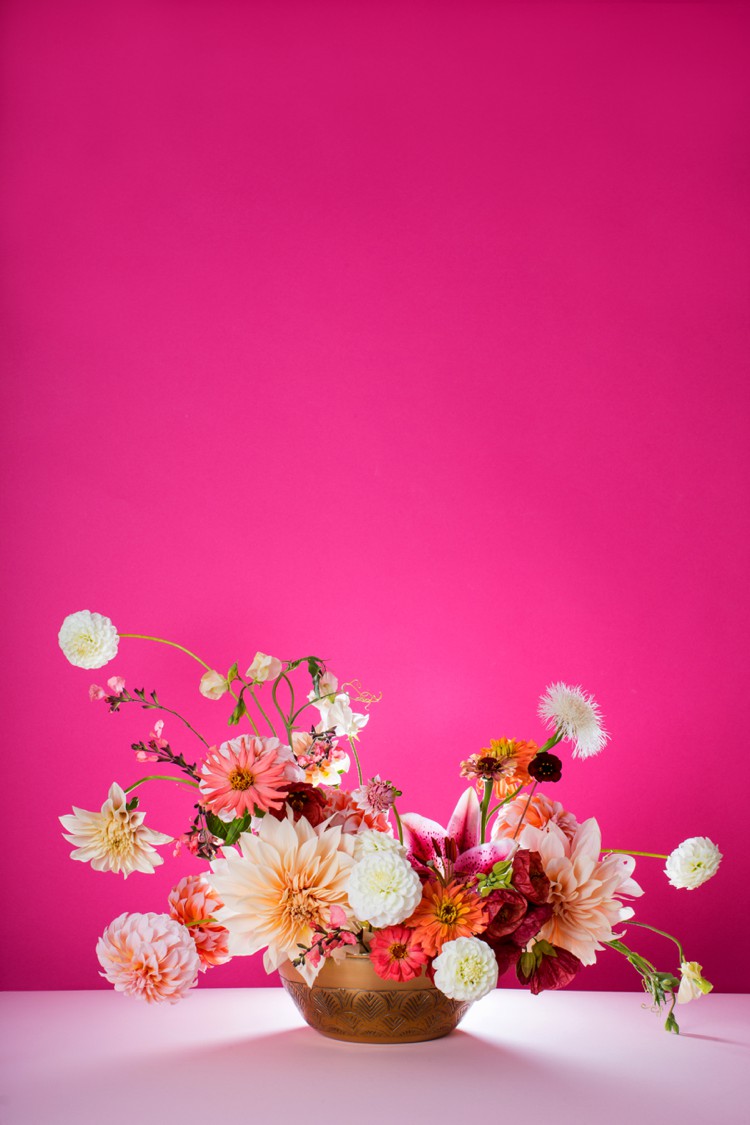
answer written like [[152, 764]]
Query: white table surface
[[244, 1055]]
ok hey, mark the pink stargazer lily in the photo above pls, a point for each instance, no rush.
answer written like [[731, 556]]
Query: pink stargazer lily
[[430, 845]]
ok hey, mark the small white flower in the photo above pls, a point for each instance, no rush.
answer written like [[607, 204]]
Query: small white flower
[[384, 889], [465, 969], [114, 839], [340, 717], [577, 715], [694, 862], [88, 640], [371, 842], [264, 668], [213, 685], [693, 984]]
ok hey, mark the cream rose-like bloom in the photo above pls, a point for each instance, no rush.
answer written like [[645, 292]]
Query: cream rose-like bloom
[[88, 640], [151, 956], [693, 984], [694, 862], [264, 668], [371, 842], [114, 839], [384, 889], [575, 713], [584, 889], [213, 685], [465, 969], [280, 887]]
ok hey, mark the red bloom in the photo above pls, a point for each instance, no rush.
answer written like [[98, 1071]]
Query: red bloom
[[305, 800], [547, 967], [506, 909], [529, 877]]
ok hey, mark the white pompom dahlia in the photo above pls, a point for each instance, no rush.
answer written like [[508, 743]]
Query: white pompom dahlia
[[695, 861], [465, 969], [88, 640], [384, 889]]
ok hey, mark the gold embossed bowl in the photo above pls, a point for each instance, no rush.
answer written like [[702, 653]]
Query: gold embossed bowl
[[350, 1001]]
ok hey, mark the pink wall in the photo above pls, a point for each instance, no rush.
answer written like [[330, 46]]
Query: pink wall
[[409, 334]]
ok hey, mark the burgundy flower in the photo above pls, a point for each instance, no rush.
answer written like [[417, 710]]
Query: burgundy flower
[[506, 953], [529, 877], [304, 800], [531, 924], [547, 967], [506, 909], [545, 767]]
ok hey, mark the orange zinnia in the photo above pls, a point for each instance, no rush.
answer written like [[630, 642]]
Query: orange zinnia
[[505, 762], [446, 912]]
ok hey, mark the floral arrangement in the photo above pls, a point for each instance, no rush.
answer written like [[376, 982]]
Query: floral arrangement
[[305, 869]]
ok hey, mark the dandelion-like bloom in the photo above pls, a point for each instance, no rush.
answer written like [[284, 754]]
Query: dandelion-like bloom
[[89, 640], [346, 814], [504, 762], [541, 810], [376, 795], [693, 984], [575, 713], [149, 955], [114, 839], [383, 889], [280, 888], [242, 774], [466, 969], [396, 954], [447, 912], [191, 901], [694, 862], [584, 890]]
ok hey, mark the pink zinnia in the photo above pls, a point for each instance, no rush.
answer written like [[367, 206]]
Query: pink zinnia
[[191, 901], [396, 954], [150, 956], [242, 774]]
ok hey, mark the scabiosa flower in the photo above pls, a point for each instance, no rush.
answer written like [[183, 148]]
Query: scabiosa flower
[[376, 795], [446, 912], [383, 889], [242, 774], [114, 839], [504, 762], [466, 969], [576, 715], [89, 640], [545, 767], [149, 955], [191, 901], [694, 862], [396, 953], [693, 984]]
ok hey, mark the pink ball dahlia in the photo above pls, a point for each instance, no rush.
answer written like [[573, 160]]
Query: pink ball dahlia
[[190, 901], [149, 955]]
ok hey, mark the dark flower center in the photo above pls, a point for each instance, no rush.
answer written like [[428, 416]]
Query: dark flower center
[[448, 913], [399, 951]]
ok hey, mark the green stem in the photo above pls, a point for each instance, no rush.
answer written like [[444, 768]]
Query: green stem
[[356, 759], [161, 777], [172, 644], [258, 705], [523, 814], [484, 807], [399, 825], [625, 851], [553, 741], [505, 801], [662, 933], [286, 721]]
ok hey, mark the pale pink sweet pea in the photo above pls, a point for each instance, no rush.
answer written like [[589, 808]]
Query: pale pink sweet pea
[[213, 685], [264, 668]]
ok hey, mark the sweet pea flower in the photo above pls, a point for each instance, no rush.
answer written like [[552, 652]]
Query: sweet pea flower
[[213, 685], [264, 668]]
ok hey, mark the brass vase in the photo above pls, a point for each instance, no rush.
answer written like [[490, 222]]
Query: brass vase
[[350, 1001]]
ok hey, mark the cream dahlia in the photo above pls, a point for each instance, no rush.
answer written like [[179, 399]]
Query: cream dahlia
[[193, 901], [584, 890], [383, 889], [244, 773], [149, 955], [88, 640], [466, 969], [114, 839], [694, 862], [279, 888], [576, 715]]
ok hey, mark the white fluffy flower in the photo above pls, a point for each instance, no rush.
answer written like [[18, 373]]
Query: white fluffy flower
[[694, 862], [372, 842], [576, 714], [89, 640], [114, 839], [465, 969], [693, 984], [384, 889]]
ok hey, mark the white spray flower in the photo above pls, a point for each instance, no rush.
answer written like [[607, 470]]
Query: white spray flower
[[693, 984], [371, 842], [88, 640], [384, 889], [465, 969], [695, 861]]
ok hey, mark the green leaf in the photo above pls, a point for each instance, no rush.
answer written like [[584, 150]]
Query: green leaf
[[238, 712], [216, 826], [233, 673], [671, 1024], [132, 804], [238, 825]]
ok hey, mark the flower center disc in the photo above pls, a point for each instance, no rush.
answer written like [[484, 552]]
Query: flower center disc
[[241, 778]]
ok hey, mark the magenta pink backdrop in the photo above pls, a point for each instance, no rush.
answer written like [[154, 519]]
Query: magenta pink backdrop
[[409, 334]]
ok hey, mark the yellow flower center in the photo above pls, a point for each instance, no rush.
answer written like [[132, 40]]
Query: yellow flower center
[[241, 778], [448, 913], [301, 907]]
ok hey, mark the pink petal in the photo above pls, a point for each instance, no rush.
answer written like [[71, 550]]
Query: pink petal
[[338, 916], [420, 835], [465, 824], [482, 858]]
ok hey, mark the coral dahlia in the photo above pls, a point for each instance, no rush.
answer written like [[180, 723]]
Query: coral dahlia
[[191, 901], [243, 774]]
